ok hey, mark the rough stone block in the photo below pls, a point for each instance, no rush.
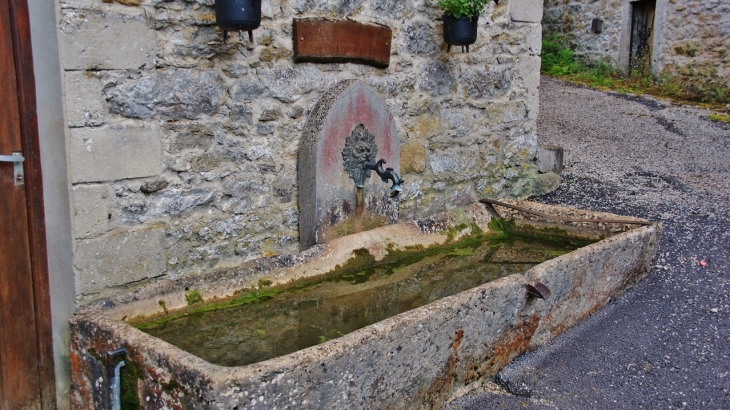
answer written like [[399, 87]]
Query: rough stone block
[[490, 83], [94, 40], [436, 78], [529, 68], [120, 258], [174, 94], [84, 100], [545, 183], [412, 157], [106, 154], [529, 11], [455, 164], [534, 39], [426, 125], [550, 159], [91, 210]]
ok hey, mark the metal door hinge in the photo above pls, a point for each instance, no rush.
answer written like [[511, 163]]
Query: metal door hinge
[[17, 159]]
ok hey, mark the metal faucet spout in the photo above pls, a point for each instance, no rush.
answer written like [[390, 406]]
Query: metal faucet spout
[[385, 175]]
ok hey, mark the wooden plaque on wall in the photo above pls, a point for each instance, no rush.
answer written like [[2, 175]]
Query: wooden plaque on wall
[[326, 41]]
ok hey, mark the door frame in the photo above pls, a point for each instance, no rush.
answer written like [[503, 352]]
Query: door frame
[[20, 28]]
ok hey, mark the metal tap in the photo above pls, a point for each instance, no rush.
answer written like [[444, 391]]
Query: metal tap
[[385, 175]]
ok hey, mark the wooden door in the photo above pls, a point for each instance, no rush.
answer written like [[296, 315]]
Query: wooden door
[[642, 35], [26, 363]]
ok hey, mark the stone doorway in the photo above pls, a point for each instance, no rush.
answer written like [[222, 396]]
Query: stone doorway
[[642, 35]]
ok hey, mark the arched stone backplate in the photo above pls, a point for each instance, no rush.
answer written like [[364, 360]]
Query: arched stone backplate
[[326, 192]]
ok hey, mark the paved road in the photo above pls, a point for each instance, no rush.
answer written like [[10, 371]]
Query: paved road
[[665, 343]]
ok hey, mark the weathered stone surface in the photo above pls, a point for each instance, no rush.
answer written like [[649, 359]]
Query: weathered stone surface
[[249, 194], [266, 129], [546, 183], [196, 42], [91, 210], [529, 11], [84, 102], [454, 164], [534, 39], [77, 4], [270, 114], [213, 100], [414, 360], [283, 189], [241, 114], [501, 114], [154, 185], [94, 40], [529, 69], [489, 83], [436, 78], [207, 161], [550, 159], [296, 112], [326, 191], [339, 8], [289, 84], [177, 201], [246, 90], [170, 94], [120, 258], [191, 138], [420, 38], [108, 154], [412, 157], [236, 70], [391, 8], [460, 121], [427, 124]]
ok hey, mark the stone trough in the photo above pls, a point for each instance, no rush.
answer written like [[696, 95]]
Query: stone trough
[[417, 359]]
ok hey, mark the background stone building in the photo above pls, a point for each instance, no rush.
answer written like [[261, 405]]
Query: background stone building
[[688, 37], [168, 152]]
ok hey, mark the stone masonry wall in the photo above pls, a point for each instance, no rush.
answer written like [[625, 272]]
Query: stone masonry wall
[[696, 39], [573, 18], [183, 149], [693, 35]]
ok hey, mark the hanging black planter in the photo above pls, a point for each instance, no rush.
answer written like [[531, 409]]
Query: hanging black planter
[[238, 15], [460, 31]]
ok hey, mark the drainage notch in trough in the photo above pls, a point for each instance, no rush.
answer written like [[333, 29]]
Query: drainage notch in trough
[[538, 290], [113, 375]]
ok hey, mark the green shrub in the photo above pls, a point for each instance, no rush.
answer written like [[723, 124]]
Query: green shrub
[[557, 58], [690, 84], [458, 8]]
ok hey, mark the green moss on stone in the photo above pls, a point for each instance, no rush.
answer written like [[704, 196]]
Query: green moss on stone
[[193, 297], [362, 265]]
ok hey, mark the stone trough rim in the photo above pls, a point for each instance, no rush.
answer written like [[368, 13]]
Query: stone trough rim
[[147, 344]]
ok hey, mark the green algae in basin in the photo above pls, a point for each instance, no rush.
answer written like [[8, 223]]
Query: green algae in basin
[[280, 320]]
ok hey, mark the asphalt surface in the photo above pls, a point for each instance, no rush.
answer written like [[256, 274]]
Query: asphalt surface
[[664, 343]]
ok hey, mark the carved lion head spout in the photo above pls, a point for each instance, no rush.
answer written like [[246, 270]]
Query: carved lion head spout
[[359, 149]]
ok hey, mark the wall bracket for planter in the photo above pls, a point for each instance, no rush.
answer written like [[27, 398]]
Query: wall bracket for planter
[[238, 15]]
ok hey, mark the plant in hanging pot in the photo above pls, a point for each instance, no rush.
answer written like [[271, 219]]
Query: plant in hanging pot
[[238, 15], [460, 21]]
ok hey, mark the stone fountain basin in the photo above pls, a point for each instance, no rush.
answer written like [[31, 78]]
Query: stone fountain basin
[[417, 359]]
